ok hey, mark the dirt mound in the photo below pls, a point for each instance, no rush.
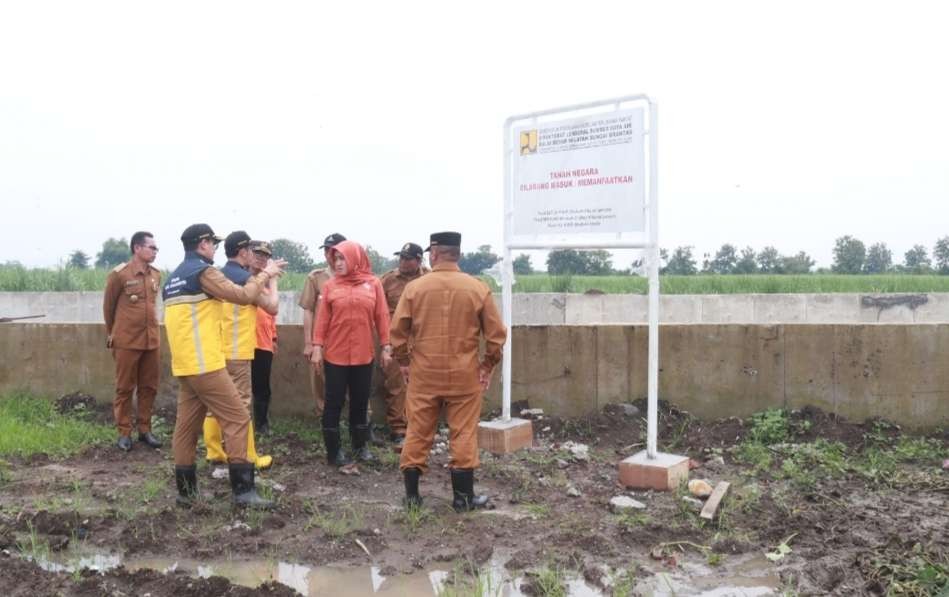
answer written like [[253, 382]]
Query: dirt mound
[[76, 402], [20, 577]]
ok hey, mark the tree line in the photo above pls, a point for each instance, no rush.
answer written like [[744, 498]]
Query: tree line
[[850, 256]]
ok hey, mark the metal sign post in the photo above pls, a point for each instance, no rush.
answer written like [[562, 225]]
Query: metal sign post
[[585, 182]]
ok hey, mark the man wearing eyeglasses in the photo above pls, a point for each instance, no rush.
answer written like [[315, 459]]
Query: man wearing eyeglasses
[[131, 327]]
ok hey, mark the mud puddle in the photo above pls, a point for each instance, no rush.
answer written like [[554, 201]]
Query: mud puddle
[[750, 577]]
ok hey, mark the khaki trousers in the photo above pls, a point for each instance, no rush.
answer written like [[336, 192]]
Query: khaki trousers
[[316, 387], [240, 373], [135, 369], [462, 414], [393, 391], [216, 393]]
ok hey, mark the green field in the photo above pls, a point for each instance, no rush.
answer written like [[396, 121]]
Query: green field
[[13, 278]]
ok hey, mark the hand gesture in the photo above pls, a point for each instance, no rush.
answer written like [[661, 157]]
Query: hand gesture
[[275, 267]]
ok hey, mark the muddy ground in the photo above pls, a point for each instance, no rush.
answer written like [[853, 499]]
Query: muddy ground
[[864, 510]]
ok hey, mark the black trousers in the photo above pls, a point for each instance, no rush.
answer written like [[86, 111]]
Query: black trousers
[[260, 385], [339, 378]]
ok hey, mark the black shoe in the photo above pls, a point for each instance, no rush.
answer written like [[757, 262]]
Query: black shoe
[[242, 487], [462, 485], [412, 498], [360, 437], [149, 440], [334, 454], [124, 443], [263, 428], [374, 439], [398, 441], [187, 481]]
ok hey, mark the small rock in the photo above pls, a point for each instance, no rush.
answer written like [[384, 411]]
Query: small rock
[[562, 463], [530, 413], [945, 464], [220, 473], [376, 532], [350, 469], [700, 488], [622, 503], [238, 525], [573, 491], [579, 451], [629, 410], [545, 429], [697, 504], [718, 459]]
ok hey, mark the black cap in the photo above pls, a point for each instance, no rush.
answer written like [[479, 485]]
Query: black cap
[[332, 240], [410, 251], [261, 246], [198, 232], [236, 241], [444, 239]]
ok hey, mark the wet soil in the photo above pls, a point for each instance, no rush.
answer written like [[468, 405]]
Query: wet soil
[[550, 510]]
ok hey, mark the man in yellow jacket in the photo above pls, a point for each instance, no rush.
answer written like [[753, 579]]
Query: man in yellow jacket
[[240, 340], [193, 298]]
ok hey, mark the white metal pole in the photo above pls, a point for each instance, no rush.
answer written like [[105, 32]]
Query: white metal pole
[[652, 425], [507, 308]]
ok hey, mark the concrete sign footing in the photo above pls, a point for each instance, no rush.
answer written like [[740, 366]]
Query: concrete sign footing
[[664, 472], [504, 437]]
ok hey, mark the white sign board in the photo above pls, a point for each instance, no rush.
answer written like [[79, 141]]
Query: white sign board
[[581, 176]]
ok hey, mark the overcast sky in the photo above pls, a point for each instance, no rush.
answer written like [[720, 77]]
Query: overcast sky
[[779, 124]]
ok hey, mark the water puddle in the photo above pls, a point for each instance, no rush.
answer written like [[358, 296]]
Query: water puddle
[[749, 577]]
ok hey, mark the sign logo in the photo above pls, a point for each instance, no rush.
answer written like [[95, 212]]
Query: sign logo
[[528, 142]]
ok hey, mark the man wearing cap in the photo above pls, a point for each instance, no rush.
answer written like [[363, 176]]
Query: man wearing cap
[[393, 387], [443, 316], [240, 343], [266, 346], [309, 300], [131, 327], [194, 320]]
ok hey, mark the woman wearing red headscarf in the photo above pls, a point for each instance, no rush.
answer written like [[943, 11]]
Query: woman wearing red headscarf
[[351, 306]]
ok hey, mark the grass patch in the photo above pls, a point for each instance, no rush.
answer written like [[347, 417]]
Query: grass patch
[[476, 583], [414, 516], [335, 524], [30, 425]]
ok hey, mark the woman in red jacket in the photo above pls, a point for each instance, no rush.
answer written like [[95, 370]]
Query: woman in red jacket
[[351, 306]]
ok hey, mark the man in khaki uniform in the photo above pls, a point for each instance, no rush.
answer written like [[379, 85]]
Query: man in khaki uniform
[[309, 300], [131, 327], [194, 317], [443, 316], [393, 387]]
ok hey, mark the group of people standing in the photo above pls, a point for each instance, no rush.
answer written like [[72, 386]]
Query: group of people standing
[[220, 324]]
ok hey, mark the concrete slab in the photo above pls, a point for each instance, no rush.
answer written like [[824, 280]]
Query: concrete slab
[[678, 308], [504, 437], [780, 308], [663, 473], [832, 308], [735, 308]]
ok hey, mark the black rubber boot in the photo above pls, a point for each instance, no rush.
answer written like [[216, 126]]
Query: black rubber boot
[[462, 485], [411, 477], [360, 438], [187, 481], [242, 487], [334, 453]]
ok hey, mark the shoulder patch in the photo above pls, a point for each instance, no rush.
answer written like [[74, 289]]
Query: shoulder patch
[[119, 267]]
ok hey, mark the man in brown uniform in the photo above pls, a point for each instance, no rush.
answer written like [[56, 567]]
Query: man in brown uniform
[[309, 299], [443, 316], [131, 327], [193, 323], [393, 386]]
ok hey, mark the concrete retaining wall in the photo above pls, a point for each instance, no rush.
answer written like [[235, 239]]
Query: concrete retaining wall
[[856, 371], [581, 309]]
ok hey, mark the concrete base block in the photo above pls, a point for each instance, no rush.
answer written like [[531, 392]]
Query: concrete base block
[[664, 472], [504, 437]]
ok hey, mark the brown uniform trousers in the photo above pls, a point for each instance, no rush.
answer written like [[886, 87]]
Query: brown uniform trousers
[[215, 392], [131, 321], [393, 386], [239, 370], [308, 301], [443, 316]]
